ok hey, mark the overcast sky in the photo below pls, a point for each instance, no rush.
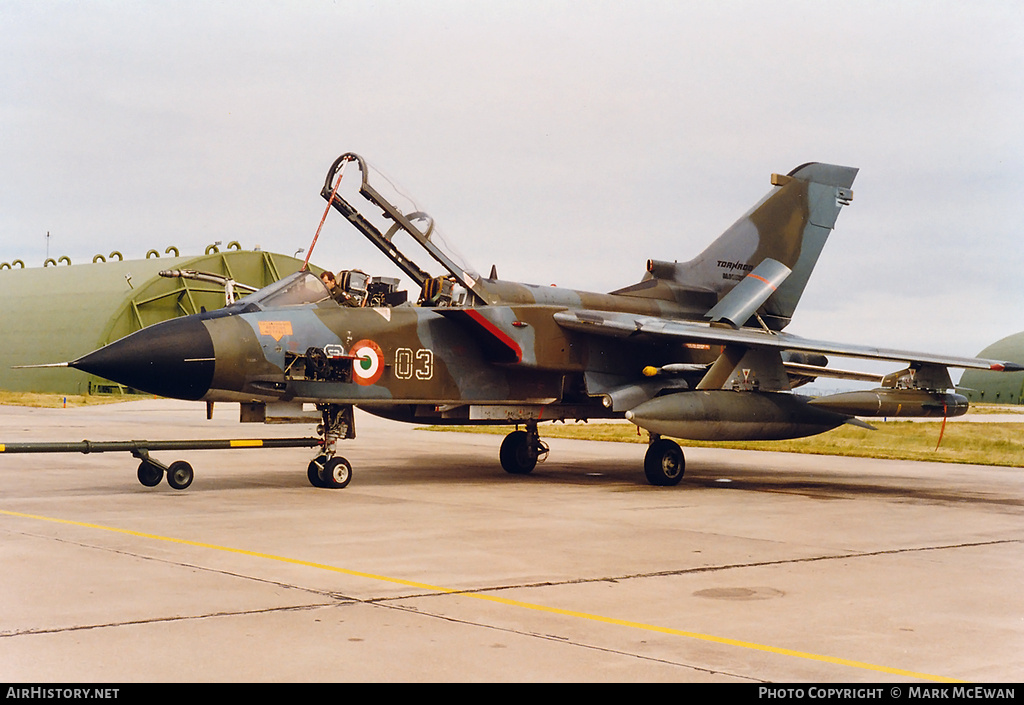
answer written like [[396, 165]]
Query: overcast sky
[[566, 142]]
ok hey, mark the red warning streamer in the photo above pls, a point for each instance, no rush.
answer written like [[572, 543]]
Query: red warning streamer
[[943, 429], [341, 172]]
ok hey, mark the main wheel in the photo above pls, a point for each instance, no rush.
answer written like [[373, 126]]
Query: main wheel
[[664, 463], [337, 473], [179, 475], [515, 454], [150, 475]]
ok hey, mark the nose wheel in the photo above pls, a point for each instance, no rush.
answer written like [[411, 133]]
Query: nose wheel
[[337, 473], [329, 472]]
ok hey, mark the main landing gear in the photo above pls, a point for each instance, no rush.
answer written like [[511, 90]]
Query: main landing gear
[[328, 470], [522, 450], [664, 463]]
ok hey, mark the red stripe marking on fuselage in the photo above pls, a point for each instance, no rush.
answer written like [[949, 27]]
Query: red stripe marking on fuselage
[[497, 333]]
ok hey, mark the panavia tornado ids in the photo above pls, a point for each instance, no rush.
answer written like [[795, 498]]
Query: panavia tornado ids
[[694, 350]]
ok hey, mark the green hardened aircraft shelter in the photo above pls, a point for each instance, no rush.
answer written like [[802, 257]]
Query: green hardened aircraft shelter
[[58, 313], [981, 386]]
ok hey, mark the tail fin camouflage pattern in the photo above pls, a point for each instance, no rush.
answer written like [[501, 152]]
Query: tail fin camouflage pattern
[[789, 225]]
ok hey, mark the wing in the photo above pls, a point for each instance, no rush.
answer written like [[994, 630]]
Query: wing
[[623, 325]]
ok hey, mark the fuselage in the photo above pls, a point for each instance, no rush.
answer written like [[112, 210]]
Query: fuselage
[[401, 356]]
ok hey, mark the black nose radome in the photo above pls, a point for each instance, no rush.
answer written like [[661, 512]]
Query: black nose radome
[[170, 359]]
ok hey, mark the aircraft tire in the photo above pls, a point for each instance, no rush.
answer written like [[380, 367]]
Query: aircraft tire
[[337, 473], [180, 475], [313, 470], [150, 475], [664, 463], [515, 454]]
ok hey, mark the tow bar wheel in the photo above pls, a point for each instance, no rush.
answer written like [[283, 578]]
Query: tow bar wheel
[[179, 475], [149, 474]]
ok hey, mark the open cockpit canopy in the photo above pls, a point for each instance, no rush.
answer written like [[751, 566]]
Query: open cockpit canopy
[[395, 225]]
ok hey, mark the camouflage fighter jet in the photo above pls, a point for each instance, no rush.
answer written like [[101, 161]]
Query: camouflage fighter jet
[[695, 350]]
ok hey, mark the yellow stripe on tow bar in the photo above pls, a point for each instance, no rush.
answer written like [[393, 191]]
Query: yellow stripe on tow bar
[[247, 444]]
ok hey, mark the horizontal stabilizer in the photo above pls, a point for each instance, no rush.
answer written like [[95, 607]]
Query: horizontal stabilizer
[[745, 298]]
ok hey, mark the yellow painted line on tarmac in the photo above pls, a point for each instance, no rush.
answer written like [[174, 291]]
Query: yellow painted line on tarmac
[[228, 549], [504, 601]]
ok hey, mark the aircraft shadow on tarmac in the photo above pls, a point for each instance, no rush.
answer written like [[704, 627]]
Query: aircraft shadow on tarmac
[[476, 466], [861, 488]]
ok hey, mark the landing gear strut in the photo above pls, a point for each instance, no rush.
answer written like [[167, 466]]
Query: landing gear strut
[[664, 463], [522, 450], [328, 470]]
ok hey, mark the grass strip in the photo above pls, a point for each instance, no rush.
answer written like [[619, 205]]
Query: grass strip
[[57, 401], [994, 443]]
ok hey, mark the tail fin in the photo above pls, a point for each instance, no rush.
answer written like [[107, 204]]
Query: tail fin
[[789, 225]]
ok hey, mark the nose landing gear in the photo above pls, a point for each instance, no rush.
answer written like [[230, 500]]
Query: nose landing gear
[[328, 470], [522, 450]]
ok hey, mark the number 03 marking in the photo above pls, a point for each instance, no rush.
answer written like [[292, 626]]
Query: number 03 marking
[[418, 363]]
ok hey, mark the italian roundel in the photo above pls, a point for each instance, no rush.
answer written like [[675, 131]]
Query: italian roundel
[[368, 365]]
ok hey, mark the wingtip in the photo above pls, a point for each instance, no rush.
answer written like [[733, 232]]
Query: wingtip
[[1007, 367]]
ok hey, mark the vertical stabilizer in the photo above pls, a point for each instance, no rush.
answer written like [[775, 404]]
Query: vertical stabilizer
[[789, 225]]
